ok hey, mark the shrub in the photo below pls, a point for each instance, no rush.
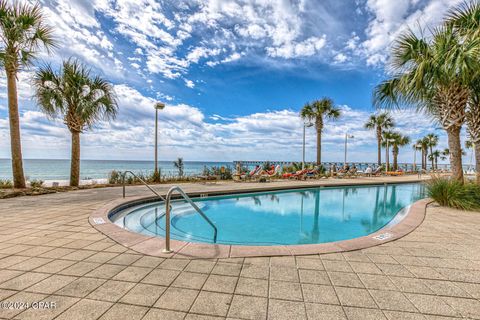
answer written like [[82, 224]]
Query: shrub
[[115, 177], [36, 183], [156, 176], [452, 193], [5, 184]]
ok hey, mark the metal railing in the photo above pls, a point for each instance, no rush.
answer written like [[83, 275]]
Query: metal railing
[[168, 208], [141, 180]]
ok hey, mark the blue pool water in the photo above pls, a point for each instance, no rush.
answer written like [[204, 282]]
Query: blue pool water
[[287, 217]]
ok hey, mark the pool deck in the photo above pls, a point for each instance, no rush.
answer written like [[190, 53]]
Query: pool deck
[[49, 252]]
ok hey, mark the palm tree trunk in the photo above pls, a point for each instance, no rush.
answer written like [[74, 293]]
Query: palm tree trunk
[[433, 163], [477, 161], [387, 159], [75, 160], [15, 139], [455, 147], [319, 146], [395, 161], [379, 147], [423, 159]]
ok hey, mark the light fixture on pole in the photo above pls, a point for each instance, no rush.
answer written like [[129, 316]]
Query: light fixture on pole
[[347, 136], [415, 147], [158, 106], [305, 125]]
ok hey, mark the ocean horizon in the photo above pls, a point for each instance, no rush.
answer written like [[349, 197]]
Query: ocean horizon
[[59, 169]]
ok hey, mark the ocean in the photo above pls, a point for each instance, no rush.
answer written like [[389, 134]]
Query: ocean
[[50, 169]]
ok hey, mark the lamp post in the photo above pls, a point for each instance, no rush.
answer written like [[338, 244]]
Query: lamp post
[[158, 106], [415, 147], [347, 136], [305, 125]]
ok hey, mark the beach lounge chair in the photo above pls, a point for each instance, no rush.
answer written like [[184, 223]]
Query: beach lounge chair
[[275, 171], [290, 175], [251, 174], [311, 174], [395, 173], [205, 178], [378, 171]]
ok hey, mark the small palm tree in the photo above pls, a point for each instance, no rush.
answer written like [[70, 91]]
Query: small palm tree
[[397, 140], [379, 123], [179, 165], [23, 32], [317, 111], [77, 97], [432, 141]]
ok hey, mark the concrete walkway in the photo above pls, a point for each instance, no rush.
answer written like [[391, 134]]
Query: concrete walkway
[[49, 253]]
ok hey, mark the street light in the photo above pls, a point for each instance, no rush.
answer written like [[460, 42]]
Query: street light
[[415, 147], [347, 136], [158, 106], [305, 125]]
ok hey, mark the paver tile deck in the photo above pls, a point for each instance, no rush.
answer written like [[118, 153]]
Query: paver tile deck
[[49, 252]]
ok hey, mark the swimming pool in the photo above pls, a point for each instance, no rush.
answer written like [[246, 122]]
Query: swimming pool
[[286, 217]]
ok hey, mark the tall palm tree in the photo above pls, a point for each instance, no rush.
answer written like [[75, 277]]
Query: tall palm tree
[[465, 20], [318, 111], [434, 155], [23, 33], [77, 97], [398, 140], [379, 123], [473, 122], [432, 74], [422, 145], [387, 137], [432, 141]]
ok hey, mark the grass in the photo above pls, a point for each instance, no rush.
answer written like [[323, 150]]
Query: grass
[[6, 184], [36, 183], [454, 194]]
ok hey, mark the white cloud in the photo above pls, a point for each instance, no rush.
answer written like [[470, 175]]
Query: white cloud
[[186, 131], [390, 18], [189, 83], [340, 58], [305, 48]]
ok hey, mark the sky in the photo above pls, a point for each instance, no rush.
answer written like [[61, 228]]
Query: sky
[[233, 74]]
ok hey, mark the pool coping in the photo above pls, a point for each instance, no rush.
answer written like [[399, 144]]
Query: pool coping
[[153, 246]]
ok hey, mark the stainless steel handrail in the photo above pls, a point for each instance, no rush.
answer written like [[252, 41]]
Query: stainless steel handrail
[[141, 180], [168, 208]]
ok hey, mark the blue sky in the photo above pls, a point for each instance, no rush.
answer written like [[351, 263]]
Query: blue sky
[[233, 73]]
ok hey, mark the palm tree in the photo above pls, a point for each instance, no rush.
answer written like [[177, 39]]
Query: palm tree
[[317, 111], [387, 137], [464, 19], [179, 165], [473, 122], [77, 97], [422, 144], [397, 140], [432, 141], [379, 123], [432, 74], [434, 155], [23, 33]]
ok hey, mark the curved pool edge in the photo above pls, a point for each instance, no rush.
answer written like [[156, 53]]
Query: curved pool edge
[[153, 246]]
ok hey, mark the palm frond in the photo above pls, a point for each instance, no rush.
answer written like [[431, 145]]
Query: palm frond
[[82, 100], [23, 33]]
